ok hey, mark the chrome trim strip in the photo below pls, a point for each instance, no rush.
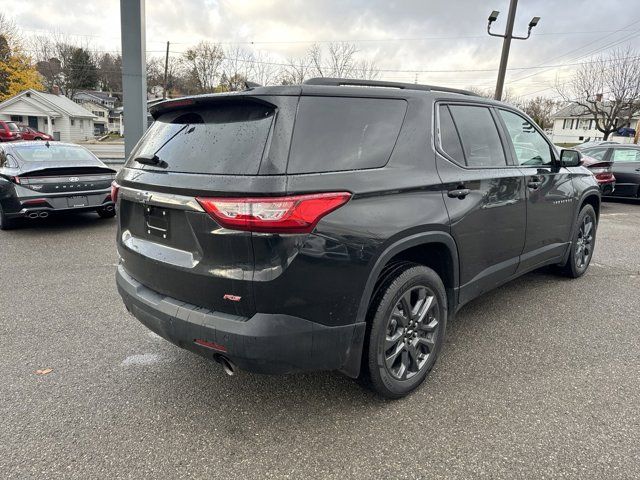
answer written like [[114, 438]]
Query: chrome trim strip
[[168, 200]]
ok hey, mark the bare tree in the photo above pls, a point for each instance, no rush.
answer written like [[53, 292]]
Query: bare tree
[[296, 71], [339, 60], [540, 110], [204, 66], [264, 69], [607, 89]]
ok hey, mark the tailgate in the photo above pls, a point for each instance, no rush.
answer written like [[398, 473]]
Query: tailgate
[[170, 245]]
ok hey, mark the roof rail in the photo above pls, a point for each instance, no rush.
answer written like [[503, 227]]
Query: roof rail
[[349, 82]]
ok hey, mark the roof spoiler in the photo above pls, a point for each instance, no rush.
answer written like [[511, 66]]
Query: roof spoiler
[[352, 82], [199, 100]]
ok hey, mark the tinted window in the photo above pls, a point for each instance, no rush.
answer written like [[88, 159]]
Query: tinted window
[[227, 138], [479, 136], [449, 139], [333, 134], [597, 153], [530, 146], [626, 155], [40, 152]]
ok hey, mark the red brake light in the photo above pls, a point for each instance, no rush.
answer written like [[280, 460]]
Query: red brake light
[[114, 191], [294, 214]]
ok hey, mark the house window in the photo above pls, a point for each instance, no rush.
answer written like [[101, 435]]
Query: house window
[[73, 122], [564, 123], [580, 138], [16, 118]]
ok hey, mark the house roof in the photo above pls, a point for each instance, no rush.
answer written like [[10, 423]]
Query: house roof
[[48, 101], [572, 110], [104, 96]]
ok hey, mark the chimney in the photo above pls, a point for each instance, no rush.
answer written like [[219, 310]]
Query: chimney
[[598, 97], [55, 90]]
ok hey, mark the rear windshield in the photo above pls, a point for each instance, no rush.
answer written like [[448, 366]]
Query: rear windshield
[[40, 152], [341, 133], [225, 138], [13, 127]]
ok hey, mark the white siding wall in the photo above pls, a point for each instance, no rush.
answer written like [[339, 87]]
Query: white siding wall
[[565, 132], [82, 129]]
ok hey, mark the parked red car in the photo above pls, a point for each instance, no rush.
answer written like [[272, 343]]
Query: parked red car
[[9, 132], [603, 172], [29, 133]]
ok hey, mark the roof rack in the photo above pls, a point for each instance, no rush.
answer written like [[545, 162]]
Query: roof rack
[[349, 82]]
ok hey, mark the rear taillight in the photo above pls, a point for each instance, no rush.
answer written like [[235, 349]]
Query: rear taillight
[[294, 214], [114, 191], [15, 179]]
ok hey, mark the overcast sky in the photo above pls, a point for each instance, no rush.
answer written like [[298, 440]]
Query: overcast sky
[[401, 36]]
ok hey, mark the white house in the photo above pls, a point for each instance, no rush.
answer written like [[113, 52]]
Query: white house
[[54, 114], [573, 124], [101, 117]]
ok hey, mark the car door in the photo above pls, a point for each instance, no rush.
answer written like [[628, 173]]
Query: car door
[[484, 194], [626, 169], [550, 194]]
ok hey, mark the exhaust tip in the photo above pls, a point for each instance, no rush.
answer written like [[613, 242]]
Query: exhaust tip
[[33, 215], [44, 214], [228, 366]]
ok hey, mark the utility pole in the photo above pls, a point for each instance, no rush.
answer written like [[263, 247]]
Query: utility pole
[[506, 43], [134, 76], [166, 65]]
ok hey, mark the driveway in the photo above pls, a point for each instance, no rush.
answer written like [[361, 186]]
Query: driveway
[[538, 379]]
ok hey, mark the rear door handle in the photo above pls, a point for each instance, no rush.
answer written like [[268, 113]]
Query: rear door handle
[[458, 193]]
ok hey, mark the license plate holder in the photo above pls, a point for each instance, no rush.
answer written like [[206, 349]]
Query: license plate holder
[[77, 201], [156, 221]]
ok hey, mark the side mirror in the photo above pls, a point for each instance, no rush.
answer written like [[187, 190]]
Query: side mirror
[[570, 158]]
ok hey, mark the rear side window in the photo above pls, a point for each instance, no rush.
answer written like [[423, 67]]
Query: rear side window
[[12, 127], [449, 139], [597, 153], [340, 133], [225, 138], [478, 135]]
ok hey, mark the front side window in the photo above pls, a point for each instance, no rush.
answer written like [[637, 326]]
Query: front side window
[[626, 155], [530, 146], [479, 137]]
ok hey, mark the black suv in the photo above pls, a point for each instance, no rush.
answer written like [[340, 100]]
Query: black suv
[[339, 224]]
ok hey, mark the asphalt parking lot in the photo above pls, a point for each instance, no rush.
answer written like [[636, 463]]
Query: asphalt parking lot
[[538, 379]]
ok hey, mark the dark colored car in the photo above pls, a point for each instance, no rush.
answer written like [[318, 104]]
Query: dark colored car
[[40, 178], [625, 160], [29, 133], [594, 143], [603, 172], [339, 224], [9, 132]]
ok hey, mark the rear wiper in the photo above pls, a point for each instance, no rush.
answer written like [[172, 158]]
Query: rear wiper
[[151, 159]]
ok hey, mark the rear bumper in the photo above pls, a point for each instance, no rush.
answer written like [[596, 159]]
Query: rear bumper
[[58, 203], [607, 188], [264, 343]]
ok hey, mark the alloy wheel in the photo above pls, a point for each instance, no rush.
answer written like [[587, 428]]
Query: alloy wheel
[[584, 242], [411, 332]]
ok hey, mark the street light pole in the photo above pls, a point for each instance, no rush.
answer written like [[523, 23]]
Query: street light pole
[[506, 43]]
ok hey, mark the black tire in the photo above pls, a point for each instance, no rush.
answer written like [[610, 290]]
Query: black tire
[[6, 223], [420, 333], [104, 213], [38, 138], [582, 243]]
